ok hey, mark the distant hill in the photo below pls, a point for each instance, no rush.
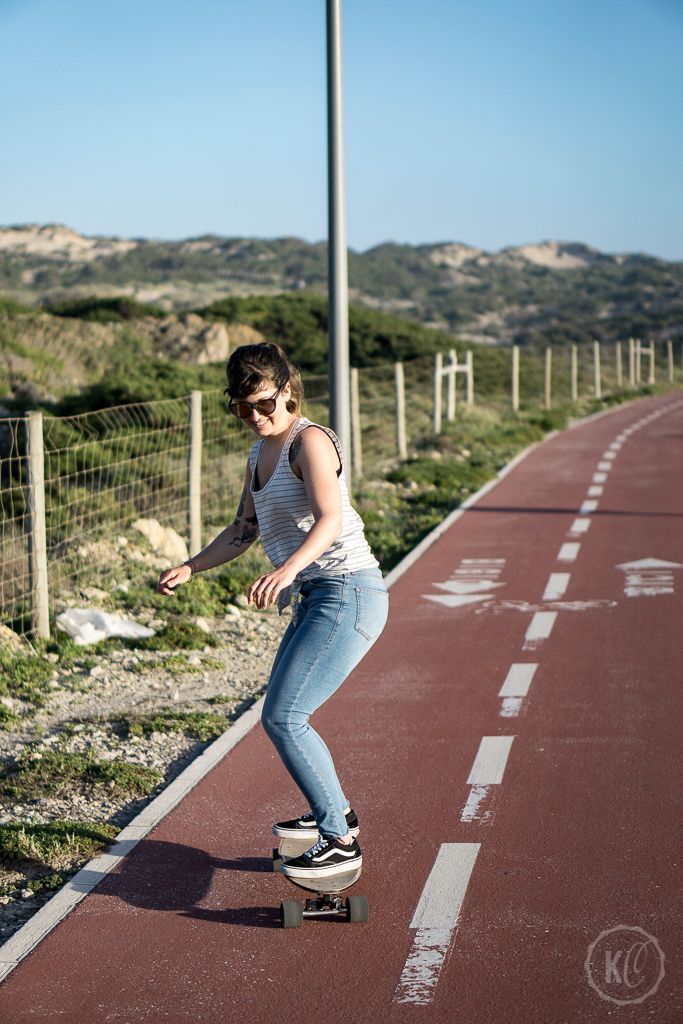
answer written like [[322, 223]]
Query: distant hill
[[531, 295]]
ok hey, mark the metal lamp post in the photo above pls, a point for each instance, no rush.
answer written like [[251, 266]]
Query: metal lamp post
[[338, 299]]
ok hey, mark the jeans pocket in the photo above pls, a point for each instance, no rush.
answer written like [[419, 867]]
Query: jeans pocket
[[372, 610]]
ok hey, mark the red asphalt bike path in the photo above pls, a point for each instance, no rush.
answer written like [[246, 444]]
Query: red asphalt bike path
[[581, 834]]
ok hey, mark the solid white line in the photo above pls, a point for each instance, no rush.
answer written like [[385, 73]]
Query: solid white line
[[539, 629], [595, 491], [556, 586], [435, 917], [587, 506], [579, 526], [599, 478], [489, 764], [518, 679], [568, 552]]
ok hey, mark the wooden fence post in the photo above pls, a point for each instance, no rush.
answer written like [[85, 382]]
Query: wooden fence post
[[356, 442], [631, 363], [548, 375], [651, 353], [37, 539], [194, 474], [401, 443], [575, 373], [515, 378], [596, 369], [619, 372], [638, 361], [450, 394], [469, 362], [670, 358], [438, 373]]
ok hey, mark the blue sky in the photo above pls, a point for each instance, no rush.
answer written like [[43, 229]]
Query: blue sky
[[488, 122]]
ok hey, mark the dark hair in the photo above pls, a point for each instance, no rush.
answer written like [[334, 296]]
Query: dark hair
[[251, 366]]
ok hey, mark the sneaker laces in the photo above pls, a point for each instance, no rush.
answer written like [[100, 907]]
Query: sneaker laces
[[320, 845]]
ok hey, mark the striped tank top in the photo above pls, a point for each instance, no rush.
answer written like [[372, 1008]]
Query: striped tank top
[[284, 518]]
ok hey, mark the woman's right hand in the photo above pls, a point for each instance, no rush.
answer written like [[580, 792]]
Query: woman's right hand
[[171, 578]]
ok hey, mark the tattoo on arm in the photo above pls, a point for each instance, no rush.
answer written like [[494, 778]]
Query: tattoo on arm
[[247, 534]]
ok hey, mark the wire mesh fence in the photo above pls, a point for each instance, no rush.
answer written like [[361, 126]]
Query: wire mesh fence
[[70, 484]]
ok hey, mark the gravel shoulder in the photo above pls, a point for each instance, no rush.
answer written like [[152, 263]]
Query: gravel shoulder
[[79, 718]]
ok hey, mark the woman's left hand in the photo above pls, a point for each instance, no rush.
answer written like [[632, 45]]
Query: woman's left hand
[[264, 591]]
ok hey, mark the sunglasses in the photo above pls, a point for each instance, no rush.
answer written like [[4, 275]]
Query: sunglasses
[[265, 406]]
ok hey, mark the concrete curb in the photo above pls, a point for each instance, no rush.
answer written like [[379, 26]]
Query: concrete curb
[[91, 874]]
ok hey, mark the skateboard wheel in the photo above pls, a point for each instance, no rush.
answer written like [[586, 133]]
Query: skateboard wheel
[[357, 908], [277, 859], [291, 914]]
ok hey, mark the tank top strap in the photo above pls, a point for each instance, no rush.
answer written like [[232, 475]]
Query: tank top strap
[[305, 422]]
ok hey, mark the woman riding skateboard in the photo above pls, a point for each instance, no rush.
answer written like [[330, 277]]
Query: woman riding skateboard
[[295, 498]]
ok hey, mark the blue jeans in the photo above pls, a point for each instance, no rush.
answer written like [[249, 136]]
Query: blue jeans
[[335, 624]]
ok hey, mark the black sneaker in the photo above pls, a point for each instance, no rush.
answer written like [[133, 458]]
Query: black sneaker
[[305, 827], [327, 858]]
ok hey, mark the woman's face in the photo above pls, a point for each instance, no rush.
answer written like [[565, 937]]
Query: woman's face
[[263, 423]]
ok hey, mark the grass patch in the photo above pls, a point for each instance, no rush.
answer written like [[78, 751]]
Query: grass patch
[[205, 725], [51, 845], [56, 772], [173, 636]]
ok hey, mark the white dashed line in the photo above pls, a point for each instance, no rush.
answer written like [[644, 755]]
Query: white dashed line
[[579, 526], [605, 466], [435, 917], [556, 586], [609, 455], [587, 506], [595, 491], [599, 478], [518, 679], [540, 628], [568, 552], [489, 764], [487, 771], [515, 688]]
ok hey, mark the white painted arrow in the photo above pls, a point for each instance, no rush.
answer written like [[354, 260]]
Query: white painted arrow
[[650, 563], [648, 577], [452, 600], [463, 587]]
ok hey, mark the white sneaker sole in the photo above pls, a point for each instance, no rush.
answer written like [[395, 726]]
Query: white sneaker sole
[[324, 871], [303, 833]]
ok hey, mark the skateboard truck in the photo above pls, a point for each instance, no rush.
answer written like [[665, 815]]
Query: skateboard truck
[[326, 901]]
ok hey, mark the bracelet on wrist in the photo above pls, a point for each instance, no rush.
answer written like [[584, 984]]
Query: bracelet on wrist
[[193, 567]]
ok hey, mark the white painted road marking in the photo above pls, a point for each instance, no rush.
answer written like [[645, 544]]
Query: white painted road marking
[[489, 764], [518, 679], [579, 526], [605, 466], [609, 455], [540, 628], [648, 577], [595, 491], [472, 581], [599, 478], [435, 917], [556, 586], [568, 552], [587, 506]]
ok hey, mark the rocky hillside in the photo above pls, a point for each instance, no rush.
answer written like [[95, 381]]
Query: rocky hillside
[[552, 290]]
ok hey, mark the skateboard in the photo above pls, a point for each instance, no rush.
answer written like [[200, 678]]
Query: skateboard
[[326, 900]]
